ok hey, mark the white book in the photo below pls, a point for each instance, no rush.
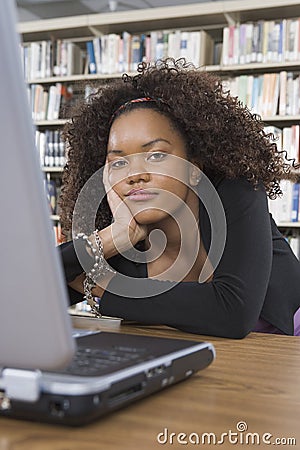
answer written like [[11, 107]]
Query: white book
[[249, 35], [43, 56], [274, 209], [34, 60], [276, 42], [283, 39], [45, 104], [40, 105], [121, 55], [57, 101], [285, 202], [287, 141], [295, 245], [282, 92], [265, 41], [242, 43], [113, 53], [265, 94], [51, 102], [104, 53], [225, 48], [184, 47], [270, 41], [48, 65], [194, 47], [126, 37], [292, 41], [177, 38], [159, 50], [236, 47], [294, 153], [172, 48], [260, 95], [289, 93], [153, 36], [250, 80], [74, 59]]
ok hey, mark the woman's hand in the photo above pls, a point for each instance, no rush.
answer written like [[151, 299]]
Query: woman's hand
[[126, 232]]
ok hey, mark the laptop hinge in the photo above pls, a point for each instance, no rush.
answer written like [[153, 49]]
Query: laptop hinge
[[22, 385]]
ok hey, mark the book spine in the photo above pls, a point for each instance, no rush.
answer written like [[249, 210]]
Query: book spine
[[91, 57]]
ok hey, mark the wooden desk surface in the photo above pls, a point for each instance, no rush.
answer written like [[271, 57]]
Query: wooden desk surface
[[255, 381]]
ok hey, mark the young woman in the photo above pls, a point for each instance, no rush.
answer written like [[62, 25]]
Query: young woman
[[184, 236]]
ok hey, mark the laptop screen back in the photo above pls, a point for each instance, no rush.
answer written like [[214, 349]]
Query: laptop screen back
[[35, 330]]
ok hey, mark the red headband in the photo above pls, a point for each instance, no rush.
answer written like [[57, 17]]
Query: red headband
[[135, 100]]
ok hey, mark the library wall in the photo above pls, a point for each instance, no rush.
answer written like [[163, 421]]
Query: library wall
[[255, 49]]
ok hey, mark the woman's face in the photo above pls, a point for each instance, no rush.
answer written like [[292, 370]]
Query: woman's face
[[147, 165]]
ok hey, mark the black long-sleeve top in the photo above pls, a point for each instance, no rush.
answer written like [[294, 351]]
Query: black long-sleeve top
[[258, 276]]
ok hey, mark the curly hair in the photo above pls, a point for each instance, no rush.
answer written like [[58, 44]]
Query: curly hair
[[220, 133]]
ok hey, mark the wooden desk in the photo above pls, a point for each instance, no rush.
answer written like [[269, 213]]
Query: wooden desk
[[255, 380]]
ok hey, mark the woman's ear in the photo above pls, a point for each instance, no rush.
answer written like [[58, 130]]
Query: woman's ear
[[195, 174]]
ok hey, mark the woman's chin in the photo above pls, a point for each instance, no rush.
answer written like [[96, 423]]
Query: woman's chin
[[150, 216]]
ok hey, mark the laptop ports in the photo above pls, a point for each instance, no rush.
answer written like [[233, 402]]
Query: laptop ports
[[58, 408], [155, 371]]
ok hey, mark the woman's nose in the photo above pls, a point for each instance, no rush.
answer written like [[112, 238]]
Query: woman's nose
[[137, 169], [137, 177]]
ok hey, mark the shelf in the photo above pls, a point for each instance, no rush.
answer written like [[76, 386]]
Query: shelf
[[54, 217], [50, 123], [254, 67], [282, 120], [52, 169], [288, 225], [134, 21], [217, 69], [279, 120], [74, 78]]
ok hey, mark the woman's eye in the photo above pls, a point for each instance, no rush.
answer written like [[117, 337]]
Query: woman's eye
[[156, 156], [119, 164]]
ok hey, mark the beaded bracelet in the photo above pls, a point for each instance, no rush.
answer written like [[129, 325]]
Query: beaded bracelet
[[99, 269]]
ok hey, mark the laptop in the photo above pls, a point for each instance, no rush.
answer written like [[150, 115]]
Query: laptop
[[46, 373]]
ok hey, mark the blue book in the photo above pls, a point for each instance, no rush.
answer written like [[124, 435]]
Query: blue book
[[91, 57], [295, 202]]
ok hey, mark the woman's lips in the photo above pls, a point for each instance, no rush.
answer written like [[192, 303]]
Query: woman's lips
[[138, 195]]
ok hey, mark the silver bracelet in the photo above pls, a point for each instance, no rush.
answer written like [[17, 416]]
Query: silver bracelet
[[88, 285], [100, 268]]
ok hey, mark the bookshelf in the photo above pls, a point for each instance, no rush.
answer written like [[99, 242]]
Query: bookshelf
[[211, 18]]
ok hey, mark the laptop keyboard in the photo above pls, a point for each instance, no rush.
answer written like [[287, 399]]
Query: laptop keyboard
[[94, 361]]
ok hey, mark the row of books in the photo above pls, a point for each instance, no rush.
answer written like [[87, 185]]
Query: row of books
[[53, 102], [286, 207], [268, 94], [263, 41], [51, 148], [45, 102], [294, 240], [52, 190], [287, 139], [114, 53], [44, 59]]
